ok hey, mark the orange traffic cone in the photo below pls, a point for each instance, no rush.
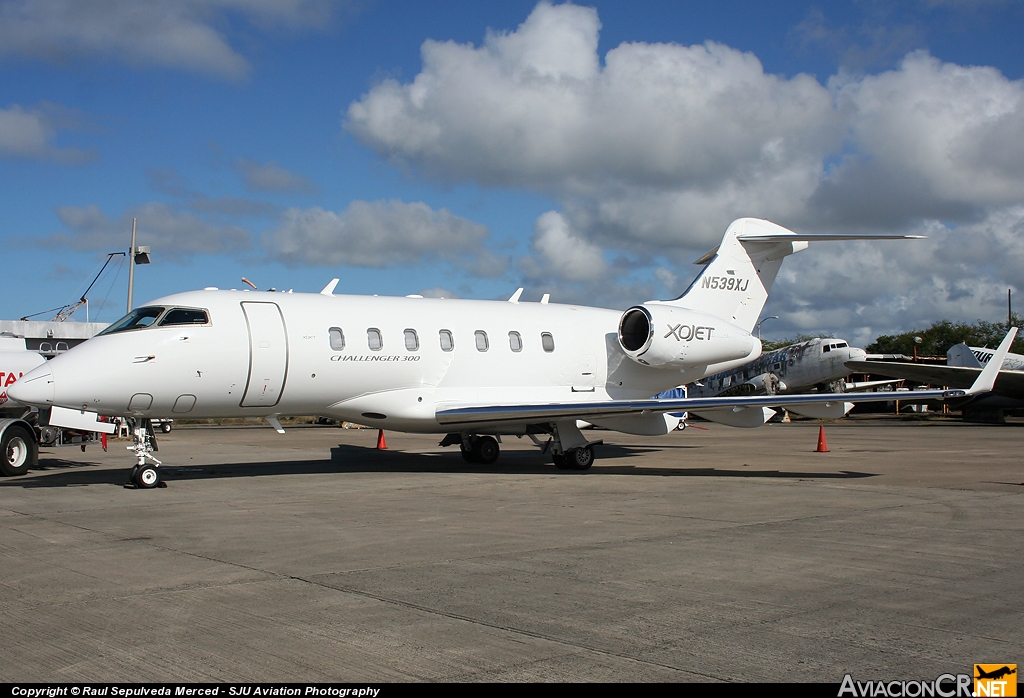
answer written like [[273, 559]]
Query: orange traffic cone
[[822, 444], [382, 445]]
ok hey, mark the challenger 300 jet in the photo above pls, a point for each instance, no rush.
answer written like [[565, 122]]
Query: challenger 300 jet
[[468, 369]]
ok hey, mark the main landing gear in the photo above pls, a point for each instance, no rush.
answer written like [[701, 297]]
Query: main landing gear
[[580, 458], [479, 449], [569, 449], [144, 475]]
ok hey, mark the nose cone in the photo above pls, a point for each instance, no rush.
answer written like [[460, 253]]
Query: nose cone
[[35, 388]]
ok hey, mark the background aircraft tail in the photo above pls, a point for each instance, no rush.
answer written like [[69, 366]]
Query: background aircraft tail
[[739, 273]]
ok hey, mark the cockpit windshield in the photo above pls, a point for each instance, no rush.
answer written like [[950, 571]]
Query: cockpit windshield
[[154, 315], [137, 319], [184, 316]]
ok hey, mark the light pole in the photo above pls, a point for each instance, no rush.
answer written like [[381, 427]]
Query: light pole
[[136, 255], [770, 317]]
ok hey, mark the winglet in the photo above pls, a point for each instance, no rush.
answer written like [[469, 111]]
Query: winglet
[[515, 296], [987, 378], [329, 288]]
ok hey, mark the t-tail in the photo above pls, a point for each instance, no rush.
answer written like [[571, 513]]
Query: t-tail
[[739, 273], [710, 327]]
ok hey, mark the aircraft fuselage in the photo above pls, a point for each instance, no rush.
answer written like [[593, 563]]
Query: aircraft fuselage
[[382, 361]]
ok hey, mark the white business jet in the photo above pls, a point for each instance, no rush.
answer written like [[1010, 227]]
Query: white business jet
[[469, 369]]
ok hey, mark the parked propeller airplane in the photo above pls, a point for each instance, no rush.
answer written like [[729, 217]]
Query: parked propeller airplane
[[469, 369], [818, 362]]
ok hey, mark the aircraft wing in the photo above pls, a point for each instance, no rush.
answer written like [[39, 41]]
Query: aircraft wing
[[1008, 383], [554, 412], [470, 415]]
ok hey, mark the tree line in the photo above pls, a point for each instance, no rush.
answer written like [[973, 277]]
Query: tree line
[[935, 340]]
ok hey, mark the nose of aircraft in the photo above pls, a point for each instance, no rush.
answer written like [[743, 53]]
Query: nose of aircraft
[[35, 388]]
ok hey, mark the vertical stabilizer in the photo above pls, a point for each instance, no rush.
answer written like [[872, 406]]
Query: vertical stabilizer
[[735, 282], [961, 355]]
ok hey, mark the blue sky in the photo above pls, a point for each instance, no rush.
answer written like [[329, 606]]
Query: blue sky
[[591, 151]]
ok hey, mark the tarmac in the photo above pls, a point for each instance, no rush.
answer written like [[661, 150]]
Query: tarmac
[[712, 554]]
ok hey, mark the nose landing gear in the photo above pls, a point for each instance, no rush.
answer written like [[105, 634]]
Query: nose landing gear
[[144, 475]]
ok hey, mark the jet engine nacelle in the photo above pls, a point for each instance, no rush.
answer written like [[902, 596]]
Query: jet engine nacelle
[[666, 336]]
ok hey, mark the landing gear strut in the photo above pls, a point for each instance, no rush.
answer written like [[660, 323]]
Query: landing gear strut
[[144, 475], [569, 448]]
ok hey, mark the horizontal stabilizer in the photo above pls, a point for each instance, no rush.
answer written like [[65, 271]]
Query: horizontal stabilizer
[[824, 237]]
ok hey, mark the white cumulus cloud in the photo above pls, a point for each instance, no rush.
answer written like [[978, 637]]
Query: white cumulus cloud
[[30, 134], [652, 149], [170, 233], [181, 34], [271, 177], [560, 253], [380, 234]]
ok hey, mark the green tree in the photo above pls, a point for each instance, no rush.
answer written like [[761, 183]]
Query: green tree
[[937, 339]]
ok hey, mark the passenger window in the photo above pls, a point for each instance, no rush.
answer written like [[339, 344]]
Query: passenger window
[[412, 340], [337, 339], [547, 342], [374, 339], [185, 316], [515, 341], [481, 341], [447, 343]]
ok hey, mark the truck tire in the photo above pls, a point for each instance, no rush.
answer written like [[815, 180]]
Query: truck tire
[[19, 451]]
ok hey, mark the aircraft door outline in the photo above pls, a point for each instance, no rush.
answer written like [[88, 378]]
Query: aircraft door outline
[[268, 354]]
